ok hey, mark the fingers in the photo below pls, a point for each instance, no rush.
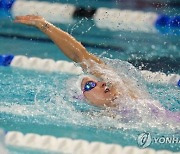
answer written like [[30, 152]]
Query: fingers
[[23, 22], [27, 17], [19, 21], [27, 22], [21, 17]]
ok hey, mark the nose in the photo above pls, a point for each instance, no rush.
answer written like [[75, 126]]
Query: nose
[[102, 84]]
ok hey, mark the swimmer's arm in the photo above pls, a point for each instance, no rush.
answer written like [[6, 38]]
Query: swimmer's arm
[[72, 48], [66, 43]]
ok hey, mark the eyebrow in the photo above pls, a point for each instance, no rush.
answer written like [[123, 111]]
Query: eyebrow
[[82, 84]]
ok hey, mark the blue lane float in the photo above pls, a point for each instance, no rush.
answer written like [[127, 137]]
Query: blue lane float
[[178, 84], [6, 4], [166, 24], [5, 60], [113, 19]]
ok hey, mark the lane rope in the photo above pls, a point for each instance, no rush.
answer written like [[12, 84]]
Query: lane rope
[[70, 67], [67, 145], [112, 19]]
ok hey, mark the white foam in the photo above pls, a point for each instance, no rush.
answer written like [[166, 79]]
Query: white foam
[[22, 110]]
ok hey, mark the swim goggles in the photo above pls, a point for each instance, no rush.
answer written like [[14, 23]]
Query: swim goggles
[[89, 85]]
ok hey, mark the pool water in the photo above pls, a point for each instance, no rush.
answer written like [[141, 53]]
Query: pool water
[[40, 102], [35, 102], [141, 49]]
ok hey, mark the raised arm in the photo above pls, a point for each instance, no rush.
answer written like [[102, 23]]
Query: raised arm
[[68, 44]]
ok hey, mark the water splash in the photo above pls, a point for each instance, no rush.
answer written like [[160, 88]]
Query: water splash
[[48, 98]]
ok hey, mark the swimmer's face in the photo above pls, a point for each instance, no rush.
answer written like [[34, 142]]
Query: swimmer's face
[[100, 95]]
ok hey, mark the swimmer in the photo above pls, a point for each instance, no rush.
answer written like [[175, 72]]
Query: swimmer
[[100, 88], [95, 89]]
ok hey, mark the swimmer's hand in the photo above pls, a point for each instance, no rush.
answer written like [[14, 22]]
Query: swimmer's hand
[[30, 20]]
